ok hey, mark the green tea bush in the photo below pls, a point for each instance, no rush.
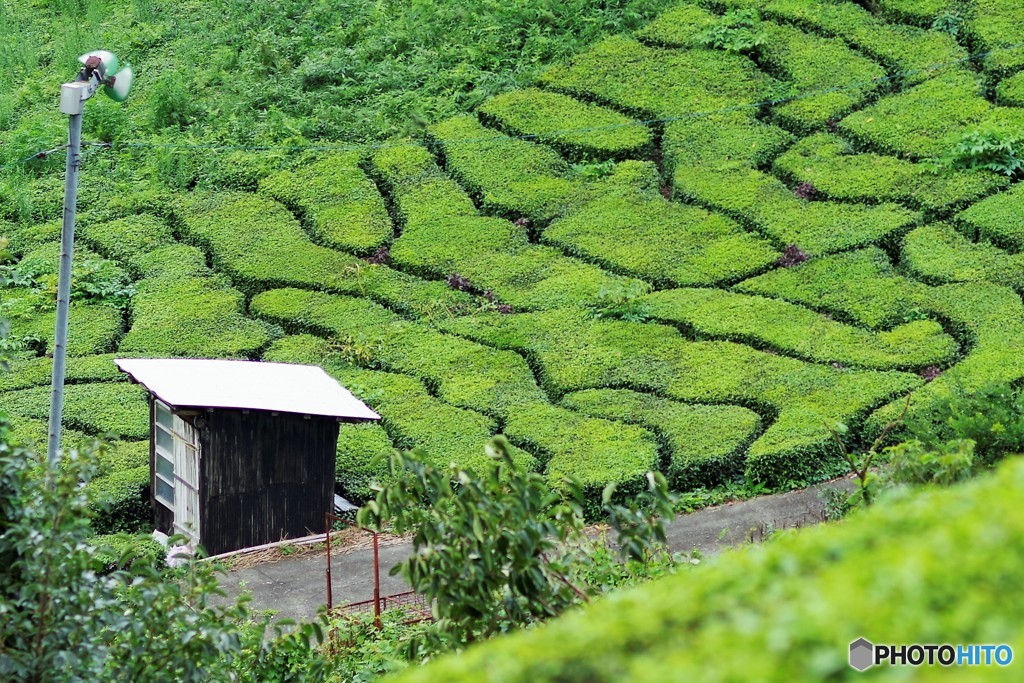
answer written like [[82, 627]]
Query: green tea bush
[[764, 202], [722, 141], [653, 82], [575, 351], [511, 177], [127, 239], [580, 130], [97, 408], [340, 205], [859, 286], [260, 245], [706, 443], [28, 372], [442, 235], [460, 372], [592, 451], [121, 501], [738, 31], [999, 219], [987, 150], [117, 456], [682, 26], [788, 590], [939, 254], [121, 551], [92, 328], [811, 63], [921, 13], [837, 172], [798, 331], [641, 234], [928, 119], [177, 315], [1010, 91], [914, 53], [361, 460], [995, 26]]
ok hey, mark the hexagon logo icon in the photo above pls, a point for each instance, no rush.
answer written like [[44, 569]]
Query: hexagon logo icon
[[861, 654]]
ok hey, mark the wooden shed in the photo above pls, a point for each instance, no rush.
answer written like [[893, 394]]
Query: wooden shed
[[242, 453]]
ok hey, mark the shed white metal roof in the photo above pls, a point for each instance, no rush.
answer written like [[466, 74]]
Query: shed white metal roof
[[246, 385]]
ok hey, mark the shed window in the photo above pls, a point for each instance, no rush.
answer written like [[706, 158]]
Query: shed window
[[164, 452], [176, 465]]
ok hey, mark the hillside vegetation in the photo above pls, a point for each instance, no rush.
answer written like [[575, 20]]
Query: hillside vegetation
[[697, 244]]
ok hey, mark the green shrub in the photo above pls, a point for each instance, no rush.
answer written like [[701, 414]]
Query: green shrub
[[574, 351], [128, 239], [810, 64], [738, 31], [805, 590], [260, 245], [653, 82], [995, 25], [442, 235], [914, 53], [511, 177], [860, 286], [798, 331], [594, 452], [361, 460], [682, 26], [837, 172], [460, 372], [639, 233], [121, 551], [764, 202], [1011, 91], [706, 443], [999, 219], [340, 205], [30, 372], [92, 328], [581, 130], [916, 12], [98, 408], [987, 150], [928, 119], [722, 141], [939, 254], [121, 501], [118, 456], [177, 315]]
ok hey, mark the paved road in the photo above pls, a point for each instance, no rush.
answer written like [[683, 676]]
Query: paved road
[[295, 587]]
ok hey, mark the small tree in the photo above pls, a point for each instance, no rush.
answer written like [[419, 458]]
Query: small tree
[[501, 549]]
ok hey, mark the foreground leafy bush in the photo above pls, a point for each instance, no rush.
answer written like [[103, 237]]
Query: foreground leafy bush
[[816, 591]]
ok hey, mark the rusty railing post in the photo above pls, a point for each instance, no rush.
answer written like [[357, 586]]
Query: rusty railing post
[[376, 582], [327, 534]]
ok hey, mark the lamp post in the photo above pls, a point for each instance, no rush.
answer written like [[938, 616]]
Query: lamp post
[[73, 95]]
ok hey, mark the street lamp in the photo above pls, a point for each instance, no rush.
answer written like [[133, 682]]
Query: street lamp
[[100, 71]]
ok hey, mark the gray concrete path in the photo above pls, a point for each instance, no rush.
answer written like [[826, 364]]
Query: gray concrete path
[[295, 587]]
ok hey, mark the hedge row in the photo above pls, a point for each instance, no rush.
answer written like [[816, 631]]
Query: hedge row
[[98, 408], [460, 372], [575, 351], [992, 316], [916, 12], [786, 611], [92, 328], [510, 177], [443, 235], [836, 171], [30, 372], [340, 205], [810, 64], [178, 314], [260, 245], [121, 501], [680, 26], [706, 443], [594, 451], [114, 547], [939, 254], [914, 53], [999, 219], [128, 239], [798, 331], [582, 131], [764, 202], [1010, 91], [653, 82], [721, 142], [860, 286], [926, 120], [639, 233], [995, 26]]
